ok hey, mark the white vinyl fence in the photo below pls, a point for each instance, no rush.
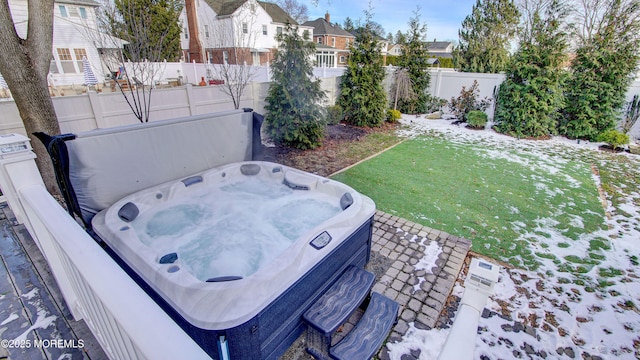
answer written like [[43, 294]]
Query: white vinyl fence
[[102, 110]]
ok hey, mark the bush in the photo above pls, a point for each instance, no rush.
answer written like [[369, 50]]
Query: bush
[[435, 104], [614, 138], [468, 101], [334, 114], [477, 119], [293, 115], [393, 115], [362, 96]]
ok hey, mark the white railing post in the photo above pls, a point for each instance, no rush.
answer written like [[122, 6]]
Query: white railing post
[[18, 170], [17, 167]]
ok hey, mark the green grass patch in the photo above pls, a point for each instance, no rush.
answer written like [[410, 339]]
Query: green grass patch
[[502, 203]]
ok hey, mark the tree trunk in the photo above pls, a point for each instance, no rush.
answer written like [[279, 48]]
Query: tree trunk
[[38, 115], [25, 64]]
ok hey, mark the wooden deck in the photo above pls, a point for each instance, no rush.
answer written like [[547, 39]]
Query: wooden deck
[[35, 322]]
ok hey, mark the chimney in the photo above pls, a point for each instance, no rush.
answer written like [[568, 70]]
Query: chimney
[[327, 17], [195, 46]]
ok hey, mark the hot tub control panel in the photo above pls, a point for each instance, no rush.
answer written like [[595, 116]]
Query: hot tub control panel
[[321, 240]]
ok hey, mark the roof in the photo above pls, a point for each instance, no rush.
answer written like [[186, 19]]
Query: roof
[[228, 7], [277, 13], [78, 2], [438, 45], [322, 27]]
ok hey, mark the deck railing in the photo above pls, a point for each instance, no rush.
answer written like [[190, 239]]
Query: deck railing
[[127, 323]]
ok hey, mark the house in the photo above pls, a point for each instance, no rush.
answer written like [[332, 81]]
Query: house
[[443, 49], [394, 50], [233, 31], [73, 23], [332, 42]]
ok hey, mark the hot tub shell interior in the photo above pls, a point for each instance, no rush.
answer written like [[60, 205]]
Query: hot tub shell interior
[[267, 333]]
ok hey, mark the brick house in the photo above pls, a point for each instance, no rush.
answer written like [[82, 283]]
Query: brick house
[[332, 42], [232, 31]]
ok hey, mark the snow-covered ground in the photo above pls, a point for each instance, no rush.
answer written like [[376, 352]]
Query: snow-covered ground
[[549, 313]]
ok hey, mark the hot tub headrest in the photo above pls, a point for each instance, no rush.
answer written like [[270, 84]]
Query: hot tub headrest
[[128, 212]]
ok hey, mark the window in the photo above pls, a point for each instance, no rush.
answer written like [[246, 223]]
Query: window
[[333, 41], [245, 28], [66, 61], [206, 31], [319, 39], [53, 67], [305, 34], [342, 59], [83, 12], [80, 53], [63, 11], [264, 30], [279, 30], [325, 59], [225, 57], [186, 33]]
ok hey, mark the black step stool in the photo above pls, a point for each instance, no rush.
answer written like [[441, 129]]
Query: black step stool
[[336, 305]]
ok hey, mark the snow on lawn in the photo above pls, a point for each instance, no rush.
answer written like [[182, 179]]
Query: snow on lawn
[[589, 312]]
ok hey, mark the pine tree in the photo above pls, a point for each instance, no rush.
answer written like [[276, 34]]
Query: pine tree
[[362, 96], [530, 99], [293, 113], [602, 71], [485, 37], [144, 24], [414, 59]]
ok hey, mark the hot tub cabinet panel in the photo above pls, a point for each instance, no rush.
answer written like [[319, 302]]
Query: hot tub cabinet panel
[[254, 315]]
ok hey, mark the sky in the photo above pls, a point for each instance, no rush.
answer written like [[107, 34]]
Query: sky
[[443, 17]]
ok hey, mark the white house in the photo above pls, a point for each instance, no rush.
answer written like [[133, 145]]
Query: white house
[[236, 31], [73, 21]]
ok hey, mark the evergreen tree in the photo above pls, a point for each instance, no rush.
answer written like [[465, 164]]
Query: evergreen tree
[[485, 36], [414, 59], [294, 116], [399, 38], [602, 71], [146, 23], [530, 99], [362, 96], [348, 24]]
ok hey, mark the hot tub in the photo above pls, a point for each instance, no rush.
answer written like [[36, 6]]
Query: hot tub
[[239, 252]]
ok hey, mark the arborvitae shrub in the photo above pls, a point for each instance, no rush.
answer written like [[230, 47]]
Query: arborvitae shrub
[[294, 116]]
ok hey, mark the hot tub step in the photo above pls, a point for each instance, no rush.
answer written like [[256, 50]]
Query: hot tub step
[[366, 338], [334, 307], [340, 301]]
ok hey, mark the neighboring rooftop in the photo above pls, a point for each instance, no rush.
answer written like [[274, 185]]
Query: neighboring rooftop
[[228, 7], [79, 2], [323, 26]]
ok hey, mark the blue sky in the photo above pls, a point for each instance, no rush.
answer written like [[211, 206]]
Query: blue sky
[[443, 17]]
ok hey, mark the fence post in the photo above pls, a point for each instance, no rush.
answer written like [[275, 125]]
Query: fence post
[[190, 100], [96, 108]]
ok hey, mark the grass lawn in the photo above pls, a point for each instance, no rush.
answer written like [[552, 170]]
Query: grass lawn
[[516, 206]]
